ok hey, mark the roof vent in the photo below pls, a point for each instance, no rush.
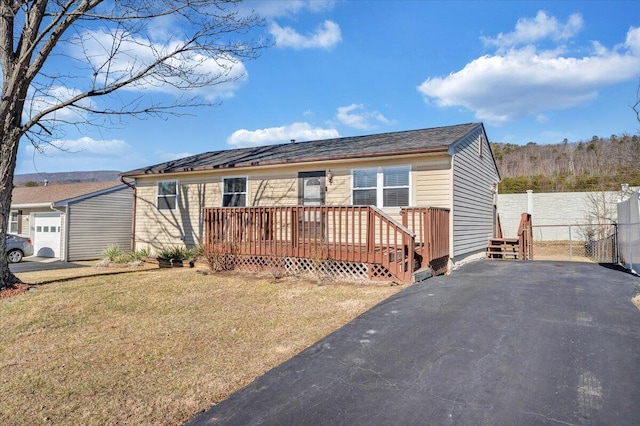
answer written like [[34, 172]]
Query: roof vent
[[293, 141]]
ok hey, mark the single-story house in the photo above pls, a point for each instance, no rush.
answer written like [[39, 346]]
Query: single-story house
[[74, 221], [446, 167]]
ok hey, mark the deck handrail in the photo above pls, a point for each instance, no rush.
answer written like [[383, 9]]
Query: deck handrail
[[431, 225], [362, 234], [390, 219], [525, 237]]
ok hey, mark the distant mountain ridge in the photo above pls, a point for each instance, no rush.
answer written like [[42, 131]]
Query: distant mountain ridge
[[66, 177]]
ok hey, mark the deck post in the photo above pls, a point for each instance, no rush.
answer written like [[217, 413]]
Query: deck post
[[371, 235], [427, 238], [294, 232]]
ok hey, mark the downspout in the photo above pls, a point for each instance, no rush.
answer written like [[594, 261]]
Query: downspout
[[133, 215], [64, 210]]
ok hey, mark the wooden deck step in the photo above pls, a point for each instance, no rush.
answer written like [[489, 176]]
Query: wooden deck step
[[503, 248]]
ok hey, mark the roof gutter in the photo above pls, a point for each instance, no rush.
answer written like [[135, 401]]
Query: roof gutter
[[30, 205], [133, 214]]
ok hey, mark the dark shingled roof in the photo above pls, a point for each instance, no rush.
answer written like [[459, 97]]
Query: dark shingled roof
[[436, 139]]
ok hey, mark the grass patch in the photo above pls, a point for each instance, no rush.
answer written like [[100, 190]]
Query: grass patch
[[155, 346]]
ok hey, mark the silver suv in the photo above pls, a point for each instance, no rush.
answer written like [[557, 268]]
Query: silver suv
[[18, 247]]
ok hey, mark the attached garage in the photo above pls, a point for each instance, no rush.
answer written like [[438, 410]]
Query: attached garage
[[74, 221], [46, 235]]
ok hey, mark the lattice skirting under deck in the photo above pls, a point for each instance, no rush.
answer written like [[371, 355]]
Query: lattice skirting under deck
[[331, 269]]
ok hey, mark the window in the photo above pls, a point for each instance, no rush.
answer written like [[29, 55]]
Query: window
[[381, 187], [364, 187], [13, 223], [167, 195], [234, 192]]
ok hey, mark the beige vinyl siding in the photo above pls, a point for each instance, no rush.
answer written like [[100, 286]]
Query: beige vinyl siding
[[473, 196], [278, 188], [271, 186], [432, 182], [98, 222], [24, 223], [184, 225]]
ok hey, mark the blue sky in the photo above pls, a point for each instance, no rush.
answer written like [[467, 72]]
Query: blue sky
[[530, 71]]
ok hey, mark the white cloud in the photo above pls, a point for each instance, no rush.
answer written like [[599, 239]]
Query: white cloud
[[55, 95], [298, 131], [86, 145], [354, 115], [542, 118], [541, 27], [325, 36], [528, 81], [633, 40], [169, 156], [278, 8], [134, 54]]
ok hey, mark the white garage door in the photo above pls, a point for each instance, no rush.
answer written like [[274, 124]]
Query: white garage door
[[46, 235]]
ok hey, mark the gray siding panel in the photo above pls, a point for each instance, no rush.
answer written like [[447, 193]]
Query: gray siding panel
[[98, 222], [473, 197]]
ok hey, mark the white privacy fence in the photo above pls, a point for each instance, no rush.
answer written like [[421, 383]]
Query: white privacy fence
[[629, 232]]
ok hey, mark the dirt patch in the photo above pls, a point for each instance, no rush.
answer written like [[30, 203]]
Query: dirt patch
[[560, 250], [636, 300], [13, 290]]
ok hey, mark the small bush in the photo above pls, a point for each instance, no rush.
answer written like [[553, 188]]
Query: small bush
[[221, 256], [114, 254], [176, 253], [140, 254]]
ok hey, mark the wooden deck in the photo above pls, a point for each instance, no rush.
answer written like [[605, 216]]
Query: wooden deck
[[520, 248], [346, 240]]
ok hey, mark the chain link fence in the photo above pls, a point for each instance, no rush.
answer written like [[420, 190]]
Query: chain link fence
[[578, 243]]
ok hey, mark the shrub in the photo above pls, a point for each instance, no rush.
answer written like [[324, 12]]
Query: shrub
[[114, 254], [176, 253], [140, 254], [221, 256]]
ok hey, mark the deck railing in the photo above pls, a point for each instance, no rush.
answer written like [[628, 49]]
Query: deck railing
[[498, 233], [325, 236], [431, 226], [525, 237]]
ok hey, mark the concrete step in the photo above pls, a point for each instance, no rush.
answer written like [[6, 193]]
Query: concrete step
[[422, 274]]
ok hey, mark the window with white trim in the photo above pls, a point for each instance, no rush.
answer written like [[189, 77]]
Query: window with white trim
[[167, 195], [381, 187], [13, 222], [234, 192]]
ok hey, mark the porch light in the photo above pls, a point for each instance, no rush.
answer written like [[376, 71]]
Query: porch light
[[330, 176]]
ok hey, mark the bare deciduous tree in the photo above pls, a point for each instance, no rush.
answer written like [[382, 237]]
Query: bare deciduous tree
[[600, 214], [66, 63]]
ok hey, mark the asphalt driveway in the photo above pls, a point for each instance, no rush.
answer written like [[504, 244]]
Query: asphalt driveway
[[496, 343], [34, 263]]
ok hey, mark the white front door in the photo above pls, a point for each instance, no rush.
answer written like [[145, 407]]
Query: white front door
[[46, 235]]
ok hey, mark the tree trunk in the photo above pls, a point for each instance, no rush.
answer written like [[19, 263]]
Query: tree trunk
[[8, 154]]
